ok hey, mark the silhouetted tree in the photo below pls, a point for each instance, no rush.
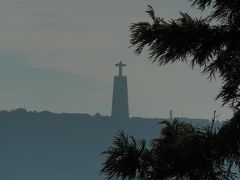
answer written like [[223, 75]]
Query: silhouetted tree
[[200, 41], [183, 151]]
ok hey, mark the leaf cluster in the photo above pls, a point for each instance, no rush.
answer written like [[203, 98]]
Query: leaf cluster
[[181, 152], [126, 159], [215, 48]]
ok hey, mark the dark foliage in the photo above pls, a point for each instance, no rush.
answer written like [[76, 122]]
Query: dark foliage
[[127, 159], [183, 151], [215, 48]]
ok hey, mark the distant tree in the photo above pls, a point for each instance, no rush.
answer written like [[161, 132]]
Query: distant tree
[[183, 151]]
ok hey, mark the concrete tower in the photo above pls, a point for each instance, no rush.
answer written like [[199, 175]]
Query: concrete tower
[[171, 114], [120, 95]]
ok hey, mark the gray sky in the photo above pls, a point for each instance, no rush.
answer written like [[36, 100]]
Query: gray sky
[[59, 55]]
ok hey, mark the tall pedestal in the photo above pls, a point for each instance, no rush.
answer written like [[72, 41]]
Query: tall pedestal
[[120, 98]]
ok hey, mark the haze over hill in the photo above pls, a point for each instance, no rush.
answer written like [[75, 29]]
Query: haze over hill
[[51, 146], [63, 146], [59, 55]]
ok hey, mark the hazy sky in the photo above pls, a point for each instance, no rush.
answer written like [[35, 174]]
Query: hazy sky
[[59, 55]]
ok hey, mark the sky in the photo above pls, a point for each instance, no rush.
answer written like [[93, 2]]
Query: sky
[[59, 55]]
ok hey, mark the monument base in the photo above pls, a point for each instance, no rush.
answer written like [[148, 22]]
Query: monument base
[[120, 98]]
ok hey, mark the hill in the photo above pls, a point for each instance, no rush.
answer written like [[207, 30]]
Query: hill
[[64, 146]]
